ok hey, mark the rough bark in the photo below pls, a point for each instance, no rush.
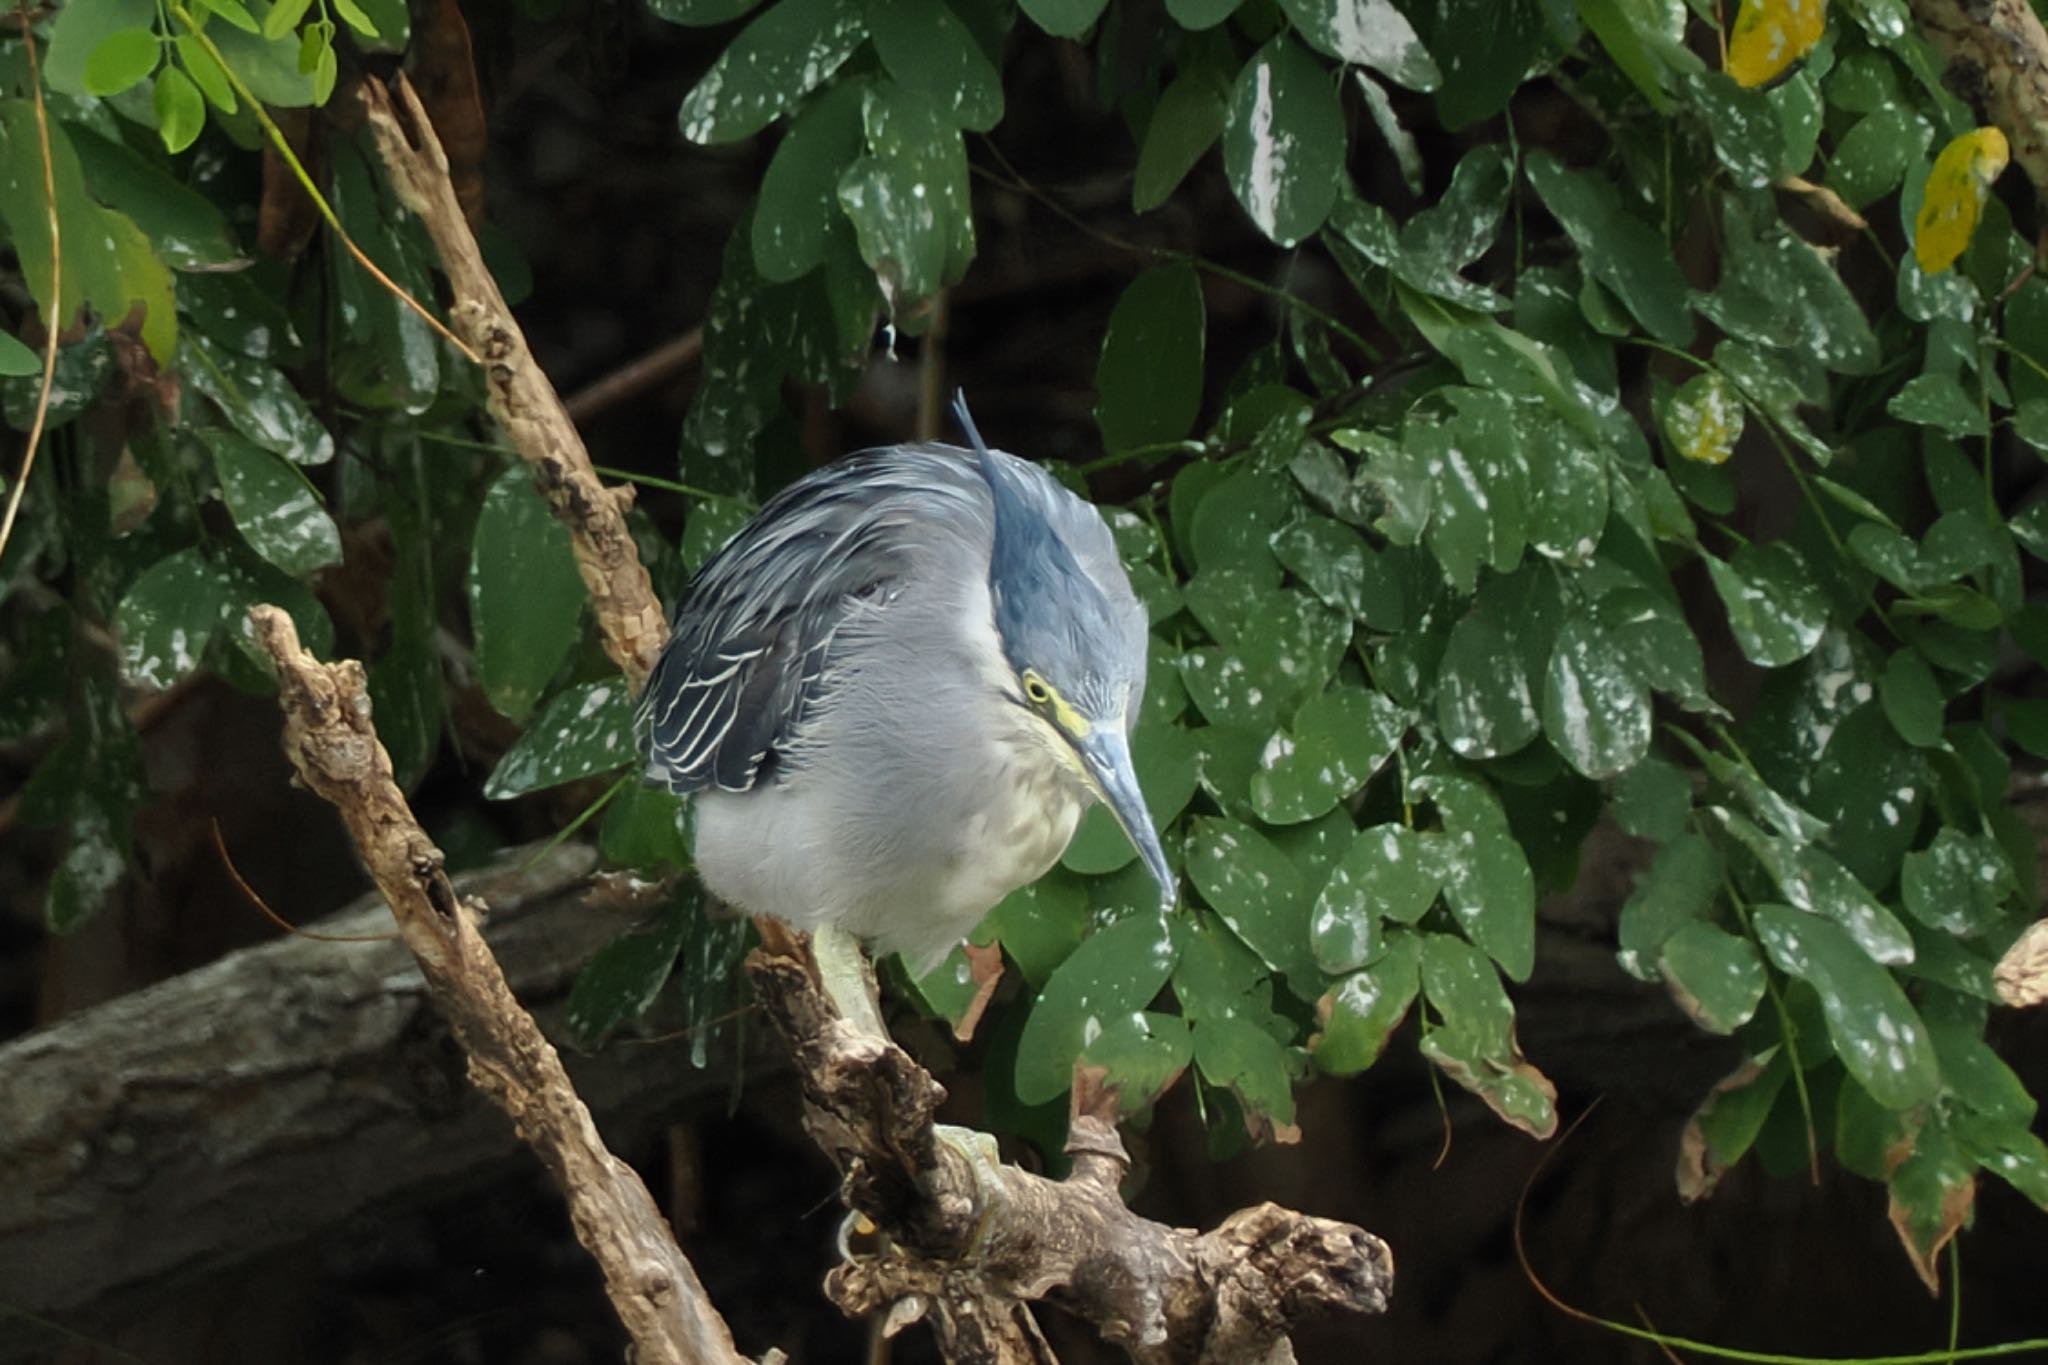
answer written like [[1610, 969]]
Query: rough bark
[[629, 617], [333, 746], [968, 1242], [306, 1079]]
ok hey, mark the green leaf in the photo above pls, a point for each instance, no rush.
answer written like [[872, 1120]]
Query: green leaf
[[180, 111], [284, 17], [925, 46], [270, 69], [123, 58], [1774, 608], [586, 729], [1236, 519], [907, 197], [1680, 888], [1388, 871], [1595, 709], [1938, 401], [1283, 656], [1115, 972], [17, 359], [1144, 1054], [1255, 888], [1240, 1057], [627, 974], [1065, 18], [701, 13], [1654, 643], [1620, 250], [352, 15], [1568, 495], [777, 59], [799, 191], [1958, 884], [1874, 1029], [1486, 879], [206, 73], [1475, 1045], [1777, 290], [1149, 379], [1716, 978], [1284, 142], [1725, 1126], [1355, 1017], [1652, 800], [525, 595], [78, 31], [646, 827], [273, 504], [1186, 123], [1040, 924], [1812, 880], [1339, 739], [168, 617], [1366, 33], [1196, 15], [257, 400], [1912, 699]]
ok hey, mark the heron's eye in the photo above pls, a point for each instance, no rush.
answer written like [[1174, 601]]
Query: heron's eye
[[1036, 690]]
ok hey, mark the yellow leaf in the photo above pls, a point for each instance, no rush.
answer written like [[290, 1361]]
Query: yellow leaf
[[1704, 419], [1770, 35], [1954, 197]]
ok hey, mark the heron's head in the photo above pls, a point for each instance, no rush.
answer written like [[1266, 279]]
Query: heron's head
[[1074, 651]]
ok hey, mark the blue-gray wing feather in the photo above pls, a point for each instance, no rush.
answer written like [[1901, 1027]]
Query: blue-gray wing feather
[[752, 642]]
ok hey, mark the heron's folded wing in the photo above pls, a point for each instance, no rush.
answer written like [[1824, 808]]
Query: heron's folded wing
[[751, 642]]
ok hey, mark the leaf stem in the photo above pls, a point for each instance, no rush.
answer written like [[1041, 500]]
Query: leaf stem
[[53, 321], [291, 158]]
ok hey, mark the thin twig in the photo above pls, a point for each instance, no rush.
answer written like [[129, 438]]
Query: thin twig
[[636, 376], [53, 323]]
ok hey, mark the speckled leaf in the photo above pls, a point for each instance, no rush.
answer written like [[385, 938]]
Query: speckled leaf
[[1114, 973], [1238, 1056], [586, 729], [646, 826], [1284, 141], [623, 978], [1329, 557], [1255, 888], [1186, 123], [800, 189], [908, 196], [1144, 1054], [273, 505], [525, 596], [1933, 1197], [1875, 1031], [700, 13], [1764, 380], [1938, 401], [1679, 889], [1872, 157], [1703, 419], [1169, 764], [1040, 924], [1725, 1126], [1619, 249], [256, 399], [1653, 642], [1234, 522], [1148, 382], [1216, 976], [1475, 1044], [1768, 36], [1339, 739], [1953, 197], [1280, 658], [168, 617], [1812, 880], [776, 60], [1486, 879], [1958, 884], [1774, 608], [924, 45], [1367, 33], [1715, 977], [1778, 290], [712, 522], [1486, 698], [185, 227], [1355, 1017], [1596, 710], [1388, 872], [1567, 490]]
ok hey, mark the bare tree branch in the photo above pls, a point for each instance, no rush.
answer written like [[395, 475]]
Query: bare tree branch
[[1998, 59], [629, 616], [333, 746]]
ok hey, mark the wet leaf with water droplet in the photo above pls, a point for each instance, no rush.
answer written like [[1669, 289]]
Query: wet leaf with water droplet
[[1774, 608], [1367, 33], [273, 505], [1114, 973], [1716, 977], [1284, 140], [1389, 872], [776, 60], [1256, 889], [1339, 739], [169, 616], [1596, 711], [1355, 1017], [1475, 1044]]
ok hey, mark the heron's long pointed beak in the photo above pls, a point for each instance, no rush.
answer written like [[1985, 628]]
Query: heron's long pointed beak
[[1107, 756]]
